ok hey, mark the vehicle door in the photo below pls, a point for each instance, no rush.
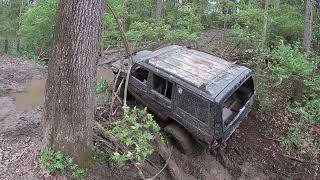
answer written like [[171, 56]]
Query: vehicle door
[[138, 82], [161, 93]]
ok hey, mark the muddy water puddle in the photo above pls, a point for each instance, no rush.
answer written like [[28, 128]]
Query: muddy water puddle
[[34, 92], [31, 96]]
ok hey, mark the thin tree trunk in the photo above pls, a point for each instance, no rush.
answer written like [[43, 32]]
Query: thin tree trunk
[[6, 46], [70, 90], [18, 44], [238, 6], [307, 36], [265, 22], [159, 10], [277, 4], [19, 25]]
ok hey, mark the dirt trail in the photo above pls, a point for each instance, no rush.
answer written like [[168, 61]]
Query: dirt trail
[[20, 131]]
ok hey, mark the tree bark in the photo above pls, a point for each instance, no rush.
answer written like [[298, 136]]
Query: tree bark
[[159, 11], [70, 89], [307, 36]]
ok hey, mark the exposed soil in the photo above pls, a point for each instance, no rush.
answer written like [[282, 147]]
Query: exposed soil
[[20, 133], [253, 152]]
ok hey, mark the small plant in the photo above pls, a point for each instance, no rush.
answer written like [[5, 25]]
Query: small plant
[[56, 161], [137, 130], [294, 138], [100, 155], [102, 86]]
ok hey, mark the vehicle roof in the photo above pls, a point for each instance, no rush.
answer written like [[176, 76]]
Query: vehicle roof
[[207, 72]]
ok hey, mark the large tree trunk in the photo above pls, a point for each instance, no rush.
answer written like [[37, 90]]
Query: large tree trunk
[[70, 90], [159, 10], [307, 36]]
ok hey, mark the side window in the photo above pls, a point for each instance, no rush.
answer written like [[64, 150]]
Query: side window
[[140, 73], [162, 86], [193, 104]]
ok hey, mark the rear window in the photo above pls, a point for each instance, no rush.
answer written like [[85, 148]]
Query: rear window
[[237, 100]]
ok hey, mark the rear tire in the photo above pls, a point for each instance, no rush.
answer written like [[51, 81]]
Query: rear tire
[[180, 138]]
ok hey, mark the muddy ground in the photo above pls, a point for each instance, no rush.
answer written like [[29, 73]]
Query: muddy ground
[[253, 152]]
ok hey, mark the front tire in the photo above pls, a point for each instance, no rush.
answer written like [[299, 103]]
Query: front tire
[[180, 138]]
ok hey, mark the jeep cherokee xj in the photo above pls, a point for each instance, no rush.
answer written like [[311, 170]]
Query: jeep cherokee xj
[[197, 93]]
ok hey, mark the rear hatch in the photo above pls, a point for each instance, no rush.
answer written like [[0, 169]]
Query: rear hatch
[[236, 101]]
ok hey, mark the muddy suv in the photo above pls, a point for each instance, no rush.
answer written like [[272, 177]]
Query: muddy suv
[[198, 94]]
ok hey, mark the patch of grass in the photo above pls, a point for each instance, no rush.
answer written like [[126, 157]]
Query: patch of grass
[[57, 162], [314, 153], [102, 86], [293, 138]]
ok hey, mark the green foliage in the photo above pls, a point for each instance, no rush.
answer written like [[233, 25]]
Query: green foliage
[[290, 61], [141, 31], [100, 155], [10, 12], [137, 130], [102, 86], [245, 37], [309, 110], [293, 138], [262, 83], [286, 24], [37, 27], [56, 161]]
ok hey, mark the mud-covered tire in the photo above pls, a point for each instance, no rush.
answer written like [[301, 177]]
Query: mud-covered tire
[[180, 138]]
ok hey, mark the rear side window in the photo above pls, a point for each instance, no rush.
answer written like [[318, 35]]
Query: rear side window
[[162, 86], [140, 73], [193, 104]]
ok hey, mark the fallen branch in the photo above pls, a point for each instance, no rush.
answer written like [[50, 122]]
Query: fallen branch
[[175, 171], [167, 162], [300, 160]]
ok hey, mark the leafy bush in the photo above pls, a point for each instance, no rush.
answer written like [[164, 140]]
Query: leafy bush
[[287, 24], [248, 39], [56, 161], [290, 61], [38, 25], [137, 130], [183, 18], [141, 31]]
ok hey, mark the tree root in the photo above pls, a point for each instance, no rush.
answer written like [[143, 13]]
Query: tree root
[[175, 171]]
